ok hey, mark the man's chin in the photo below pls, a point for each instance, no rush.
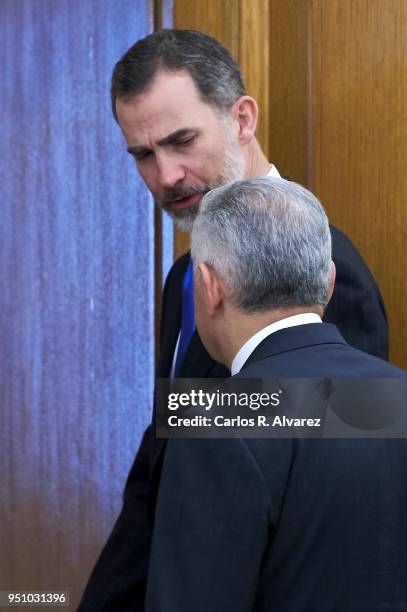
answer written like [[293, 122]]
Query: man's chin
[[184, 225], [184, 218]]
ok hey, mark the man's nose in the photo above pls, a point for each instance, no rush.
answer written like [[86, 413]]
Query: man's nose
[[170, 172]]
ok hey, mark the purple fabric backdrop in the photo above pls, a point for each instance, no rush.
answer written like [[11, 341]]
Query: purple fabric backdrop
[[76, 270]]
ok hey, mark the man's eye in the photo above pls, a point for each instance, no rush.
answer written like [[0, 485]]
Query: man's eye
[[143, 155], [185, 141]]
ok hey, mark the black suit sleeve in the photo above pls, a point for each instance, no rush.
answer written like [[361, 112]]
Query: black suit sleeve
[[356, 307], [211, 528]]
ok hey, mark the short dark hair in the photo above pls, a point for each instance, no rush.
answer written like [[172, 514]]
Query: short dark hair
[[214, 71]]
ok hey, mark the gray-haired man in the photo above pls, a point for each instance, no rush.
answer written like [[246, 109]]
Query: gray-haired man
[[248, 524]]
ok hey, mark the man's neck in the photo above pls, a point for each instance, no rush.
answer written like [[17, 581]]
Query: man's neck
[[257, 162], [242, 327]]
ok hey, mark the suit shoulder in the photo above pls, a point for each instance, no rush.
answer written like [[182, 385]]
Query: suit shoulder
[[324, 360], [342, 245], [344, 251], [178, 268], [375, 366], [352, 270], [171, 298]]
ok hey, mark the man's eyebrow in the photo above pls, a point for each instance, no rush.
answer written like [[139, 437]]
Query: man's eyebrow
[[177, 135], [170, 139]]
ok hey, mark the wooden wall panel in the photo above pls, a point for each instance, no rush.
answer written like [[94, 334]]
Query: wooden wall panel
[[289, 86], [219, 18], [359, 131], [254, 60]]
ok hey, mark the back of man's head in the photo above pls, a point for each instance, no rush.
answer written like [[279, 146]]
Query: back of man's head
[[215, 73], [268, 240]]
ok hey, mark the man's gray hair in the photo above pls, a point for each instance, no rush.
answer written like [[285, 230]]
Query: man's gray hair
[[269, 241]]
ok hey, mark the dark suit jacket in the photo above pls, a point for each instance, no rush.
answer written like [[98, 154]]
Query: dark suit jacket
[[284, 525], [119, 577]]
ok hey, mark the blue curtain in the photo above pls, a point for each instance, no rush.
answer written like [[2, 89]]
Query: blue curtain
[[76, 299]]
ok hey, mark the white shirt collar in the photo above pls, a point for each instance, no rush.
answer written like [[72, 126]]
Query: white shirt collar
[[247, 349], [273, 172]]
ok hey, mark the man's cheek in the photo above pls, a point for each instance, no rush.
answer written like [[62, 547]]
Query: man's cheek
[[149, 179]]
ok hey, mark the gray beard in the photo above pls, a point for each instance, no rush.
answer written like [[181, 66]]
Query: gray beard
[[233, 169]]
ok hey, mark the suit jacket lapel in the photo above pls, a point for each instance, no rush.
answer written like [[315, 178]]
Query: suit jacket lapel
[[171, 316]]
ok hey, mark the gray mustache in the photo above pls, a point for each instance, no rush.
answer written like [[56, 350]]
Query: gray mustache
[[177, 193]]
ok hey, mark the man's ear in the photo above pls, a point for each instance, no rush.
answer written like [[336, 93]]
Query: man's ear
[[331, 281], [212, 289], [245, 112]]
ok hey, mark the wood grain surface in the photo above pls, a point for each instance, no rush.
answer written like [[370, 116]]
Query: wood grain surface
[[289, 89], [359, 137]]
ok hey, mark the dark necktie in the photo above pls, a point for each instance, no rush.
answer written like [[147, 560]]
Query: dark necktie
[[188, 317]]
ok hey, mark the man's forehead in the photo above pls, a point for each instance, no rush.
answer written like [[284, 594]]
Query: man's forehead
[[170, 104], [165, 86]]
